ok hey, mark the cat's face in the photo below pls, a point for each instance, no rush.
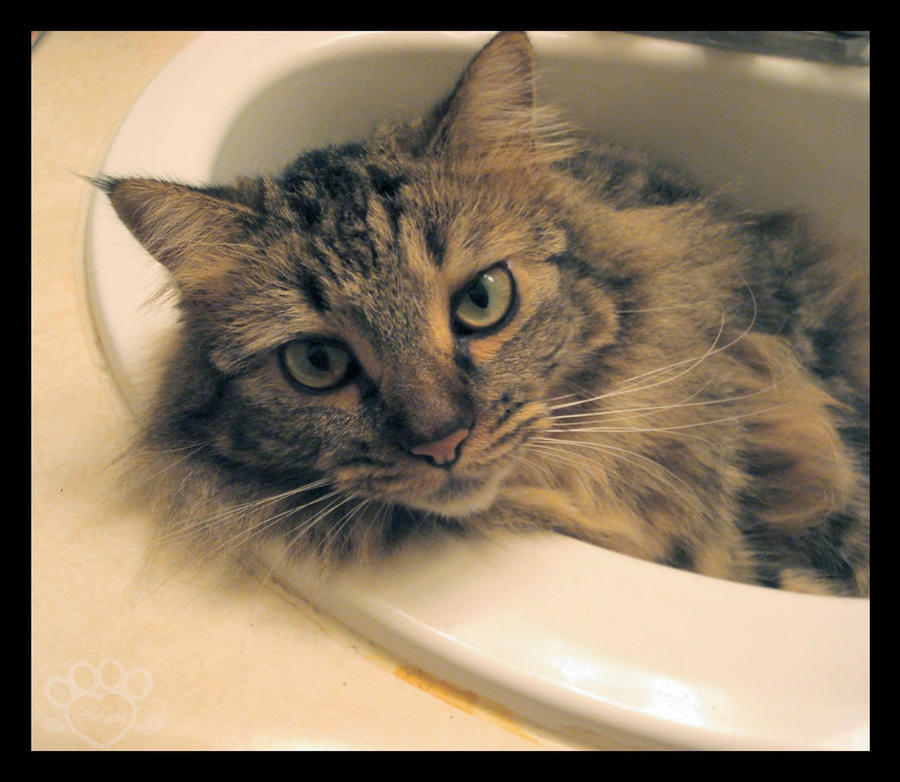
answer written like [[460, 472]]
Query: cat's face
[[404, 343], [391, 316]]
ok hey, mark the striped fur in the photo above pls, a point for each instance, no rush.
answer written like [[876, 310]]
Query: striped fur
[[670, 379]]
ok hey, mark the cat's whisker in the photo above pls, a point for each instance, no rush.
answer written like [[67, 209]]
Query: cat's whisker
[[656, 309], [652, 409], [143, 480], [342, 523], [584, 425], [561, 396], [210, 553], [205, 524], [536, 466], [252, 505], [289, 549], [308, 524], [702, 387], [692, 362], [675, 427], [258, 529], [623, 454], [561, 454], [378, 519], [666, 432]]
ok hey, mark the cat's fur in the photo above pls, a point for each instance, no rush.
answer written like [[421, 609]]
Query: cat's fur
[[672, 380]]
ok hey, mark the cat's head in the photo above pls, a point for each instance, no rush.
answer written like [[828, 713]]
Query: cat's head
[[391, 316]]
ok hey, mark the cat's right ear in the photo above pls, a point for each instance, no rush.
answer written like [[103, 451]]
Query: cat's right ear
[[200, 236]]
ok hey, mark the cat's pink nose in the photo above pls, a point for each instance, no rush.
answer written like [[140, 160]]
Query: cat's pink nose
[[442, 451]]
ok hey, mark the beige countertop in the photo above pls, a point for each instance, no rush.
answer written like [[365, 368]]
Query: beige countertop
[[121, 657]]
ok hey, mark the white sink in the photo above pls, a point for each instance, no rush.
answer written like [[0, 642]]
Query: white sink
[[582, 640]]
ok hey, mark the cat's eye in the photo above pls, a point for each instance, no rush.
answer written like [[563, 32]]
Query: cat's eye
[[486, 301], [316, 364]]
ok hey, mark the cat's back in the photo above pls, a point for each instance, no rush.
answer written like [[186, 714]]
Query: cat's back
[[806, 290], [628, 179]]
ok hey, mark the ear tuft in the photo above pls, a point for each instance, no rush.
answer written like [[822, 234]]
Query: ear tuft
[[491, 114], [199, 235]]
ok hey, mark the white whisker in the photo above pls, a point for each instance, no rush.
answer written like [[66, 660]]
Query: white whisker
[[249, 506], [688, 492], [256, 530], [307, 525], [576, 427], [652, 409], [693, 362], [146, 479], [343, 522]]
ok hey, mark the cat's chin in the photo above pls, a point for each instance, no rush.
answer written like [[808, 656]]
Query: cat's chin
[[459, 498]]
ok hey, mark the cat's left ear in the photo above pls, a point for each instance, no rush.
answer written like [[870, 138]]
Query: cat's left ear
[[491, 115], [200, 235]]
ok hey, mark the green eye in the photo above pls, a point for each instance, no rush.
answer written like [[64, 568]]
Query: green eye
[[315, 364], [486, 300]]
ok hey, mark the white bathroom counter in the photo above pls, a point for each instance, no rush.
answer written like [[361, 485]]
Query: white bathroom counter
[[121, 657]]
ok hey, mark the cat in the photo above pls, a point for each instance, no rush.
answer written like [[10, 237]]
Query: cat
[[480, 322]]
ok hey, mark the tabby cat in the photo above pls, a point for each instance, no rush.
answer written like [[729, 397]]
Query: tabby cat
[[477, 322]]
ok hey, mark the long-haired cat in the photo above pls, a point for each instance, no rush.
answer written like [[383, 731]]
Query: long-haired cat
[[478, 322]]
